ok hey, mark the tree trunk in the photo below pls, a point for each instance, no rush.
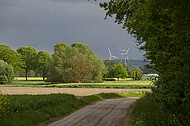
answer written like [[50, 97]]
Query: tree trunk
[[118, 78], [43, 75], [26, 74]]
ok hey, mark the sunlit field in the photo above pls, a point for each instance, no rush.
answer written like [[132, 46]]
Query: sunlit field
[[122, 83]]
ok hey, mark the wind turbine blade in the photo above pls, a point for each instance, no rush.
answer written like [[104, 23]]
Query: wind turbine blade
[[115, 57], [109, 51], [127, 51]]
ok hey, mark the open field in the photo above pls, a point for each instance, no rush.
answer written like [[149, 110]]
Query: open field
[[74, 91], [122, 84]]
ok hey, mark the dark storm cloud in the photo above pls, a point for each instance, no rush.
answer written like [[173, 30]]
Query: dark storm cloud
[[43, 23]]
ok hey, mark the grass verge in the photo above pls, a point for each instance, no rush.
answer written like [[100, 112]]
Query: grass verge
[[147, 112], [30, 110]]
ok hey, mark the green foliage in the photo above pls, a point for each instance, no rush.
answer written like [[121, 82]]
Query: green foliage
[[43, 59], [58, 46], [136, 75], [4, 104], [11, 57], [147, 112], [163, 28], [136, 68], [6, 72], [109, 64], [79, 72], [64, 58], [29, 57], [118, 71]]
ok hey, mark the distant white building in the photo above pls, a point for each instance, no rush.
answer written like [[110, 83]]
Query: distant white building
[[149, 76]]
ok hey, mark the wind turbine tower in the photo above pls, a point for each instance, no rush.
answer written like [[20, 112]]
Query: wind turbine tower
[[122, 52], [126, 57]]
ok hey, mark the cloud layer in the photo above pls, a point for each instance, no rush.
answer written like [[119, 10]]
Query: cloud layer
[[43, 23]]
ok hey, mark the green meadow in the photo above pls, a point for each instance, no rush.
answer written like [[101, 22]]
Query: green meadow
[[123, 83]]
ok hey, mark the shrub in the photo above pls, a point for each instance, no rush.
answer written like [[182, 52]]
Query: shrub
[[4, 102], [6, 72], [136, 75]]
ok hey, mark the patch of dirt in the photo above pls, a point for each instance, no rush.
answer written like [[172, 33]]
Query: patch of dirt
[[75, 91]]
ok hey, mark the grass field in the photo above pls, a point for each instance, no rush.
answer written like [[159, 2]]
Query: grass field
[[123, 83]]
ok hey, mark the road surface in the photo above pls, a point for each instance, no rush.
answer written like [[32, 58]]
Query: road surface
[[103, 113]]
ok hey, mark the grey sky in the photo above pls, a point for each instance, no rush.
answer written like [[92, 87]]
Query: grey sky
[[43, 23]]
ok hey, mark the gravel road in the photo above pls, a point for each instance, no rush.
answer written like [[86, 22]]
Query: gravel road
[[103, 113], [75, 91]]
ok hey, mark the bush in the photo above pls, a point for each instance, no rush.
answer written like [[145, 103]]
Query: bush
[[4, 102], [6, 72], [136, 75], [148, 112]]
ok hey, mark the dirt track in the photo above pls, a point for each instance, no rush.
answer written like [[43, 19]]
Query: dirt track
[[103, 113], [75, 91]]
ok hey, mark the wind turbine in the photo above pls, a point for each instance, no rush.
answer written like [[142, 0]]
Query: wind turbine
[[126, 57], [122, 52], [111, 56]]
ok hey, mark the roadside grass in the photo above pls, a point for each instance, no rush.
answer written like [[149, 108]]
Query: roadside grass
[[147, 112], [123, 84], [134, 93], [30, 110]]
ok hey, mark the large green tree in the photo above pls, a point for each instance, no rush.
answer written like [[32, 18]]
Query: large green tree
[[43, 59], [63, 61], [118, 71], [11, 57], [163, 26], [80, 70], [29, 57]]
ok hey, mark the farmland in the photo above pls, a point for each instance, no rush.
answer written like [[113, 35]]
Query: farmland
[[59, 102], [122, 84]]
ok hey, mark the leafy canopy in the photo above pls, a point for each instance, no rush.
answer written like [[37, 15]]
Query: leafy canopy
[[163, 26], [29, 56], [118, 71], [63, 62], [43, 59], [11, 57]]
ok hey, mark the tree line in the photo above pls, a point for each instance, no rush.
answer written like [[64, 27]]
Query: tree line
[[69, 64], [75, 63], [25, 58], [121, 70]]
